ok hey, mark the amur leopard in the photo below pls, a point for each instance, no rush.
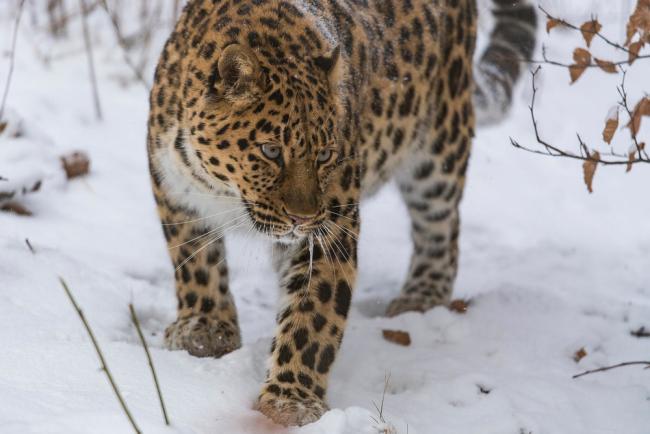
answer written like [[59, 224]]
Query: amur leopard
[[280, 116]]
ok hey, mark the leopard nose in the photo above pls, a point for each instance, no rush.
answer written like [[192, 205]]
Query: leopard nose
[[300, 219]]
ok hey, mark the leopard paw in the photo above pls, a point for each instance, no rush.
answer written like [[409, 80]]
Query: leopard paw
[[411, 303], [291, 411], [203, 336]]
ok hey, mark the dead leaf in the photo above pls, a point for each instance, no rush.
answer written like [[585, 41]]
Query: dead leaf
[[611, 124], [630, 161], [551, 23], [640, 110], [589, 170], [639, 22], [580, 354], [75, 164], [3, 126], [589, 30], [15, 208], [397, 337], [606, 65], [459, 306], [582, 57], [576, 71], [635, 47]]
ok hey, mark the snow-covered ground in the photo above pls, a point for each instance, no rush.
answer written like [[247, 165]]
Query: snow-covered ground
[[548, 267]]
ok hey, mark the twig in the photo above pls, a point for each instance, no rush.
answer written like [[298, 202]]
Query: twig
[[101, 356], [380, 408], [554, 151], [121, 41], [641, 333], [12, 58], [136, 323], [29, 246], [546, 61], [91, 61], [624, 103], [574, 27], [608, 368]]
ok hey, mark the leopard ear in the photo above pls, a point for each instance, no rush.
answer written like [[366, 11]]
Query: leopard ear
[[241, 78], [327, 63]]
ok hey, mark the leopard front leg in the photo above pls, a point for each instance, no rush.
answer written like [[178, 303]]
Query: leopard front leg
[[206, 324], [311, 324]]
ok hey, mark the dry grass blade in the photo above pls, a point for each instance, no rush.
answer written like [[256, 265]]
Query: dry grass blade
[[136, 323], [100, 355]]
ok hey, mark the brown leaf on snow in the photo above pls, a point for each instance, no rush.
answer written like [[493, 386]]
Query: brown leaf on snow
[[75, 164], [15, 208], [642, 109], [611, 124], [551, 23], [3, 126], [589, 30], [580, 354], [589, 170], [459, 306], [606, 65], [398, 337]]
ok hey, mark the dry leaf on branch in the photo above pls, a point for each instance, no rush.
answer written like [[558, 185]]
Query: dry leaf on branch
[[75, 164], [576, 71], [582, 58], [551, 23], [589, 170], [634, 49], [606, 65], [459, 306], [640, 110], [630, 161], [15, 208], [639, 22], [397, 337], [580, 354], [611, 124], [589, 30], [3, 126]]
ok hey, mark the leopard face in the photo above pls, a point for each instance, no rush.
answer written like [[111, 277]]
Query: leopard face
[[268, 131]]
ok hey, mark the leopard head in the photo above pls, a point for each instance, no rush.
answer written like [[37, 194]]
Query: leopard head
[[267, 127]]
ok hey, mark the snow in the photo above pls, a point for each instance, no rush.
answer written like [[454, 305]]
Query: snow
[[548, 268]]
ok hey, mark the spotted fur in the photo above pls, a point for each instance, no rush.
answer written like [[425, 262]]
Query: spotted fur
[[279, 116]]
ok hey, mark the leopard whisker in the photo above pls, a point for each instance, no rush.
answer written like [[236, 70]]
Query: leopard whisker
[[217, 238], [200, 218]]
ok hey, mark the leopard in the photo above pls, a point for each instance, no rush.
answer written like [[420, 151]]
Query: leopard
[[279, 117]]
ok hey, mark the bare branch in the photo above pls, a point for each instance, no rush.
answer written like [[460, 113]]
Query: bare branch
[[121, 40], [91, 61], [609, 368], [555, 151], [136, 323], [101, 356], [12, 58]]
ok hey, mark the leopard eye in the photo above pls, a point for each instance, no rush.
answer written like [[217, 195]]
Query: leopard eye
[[271, 151], [324, 155]]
